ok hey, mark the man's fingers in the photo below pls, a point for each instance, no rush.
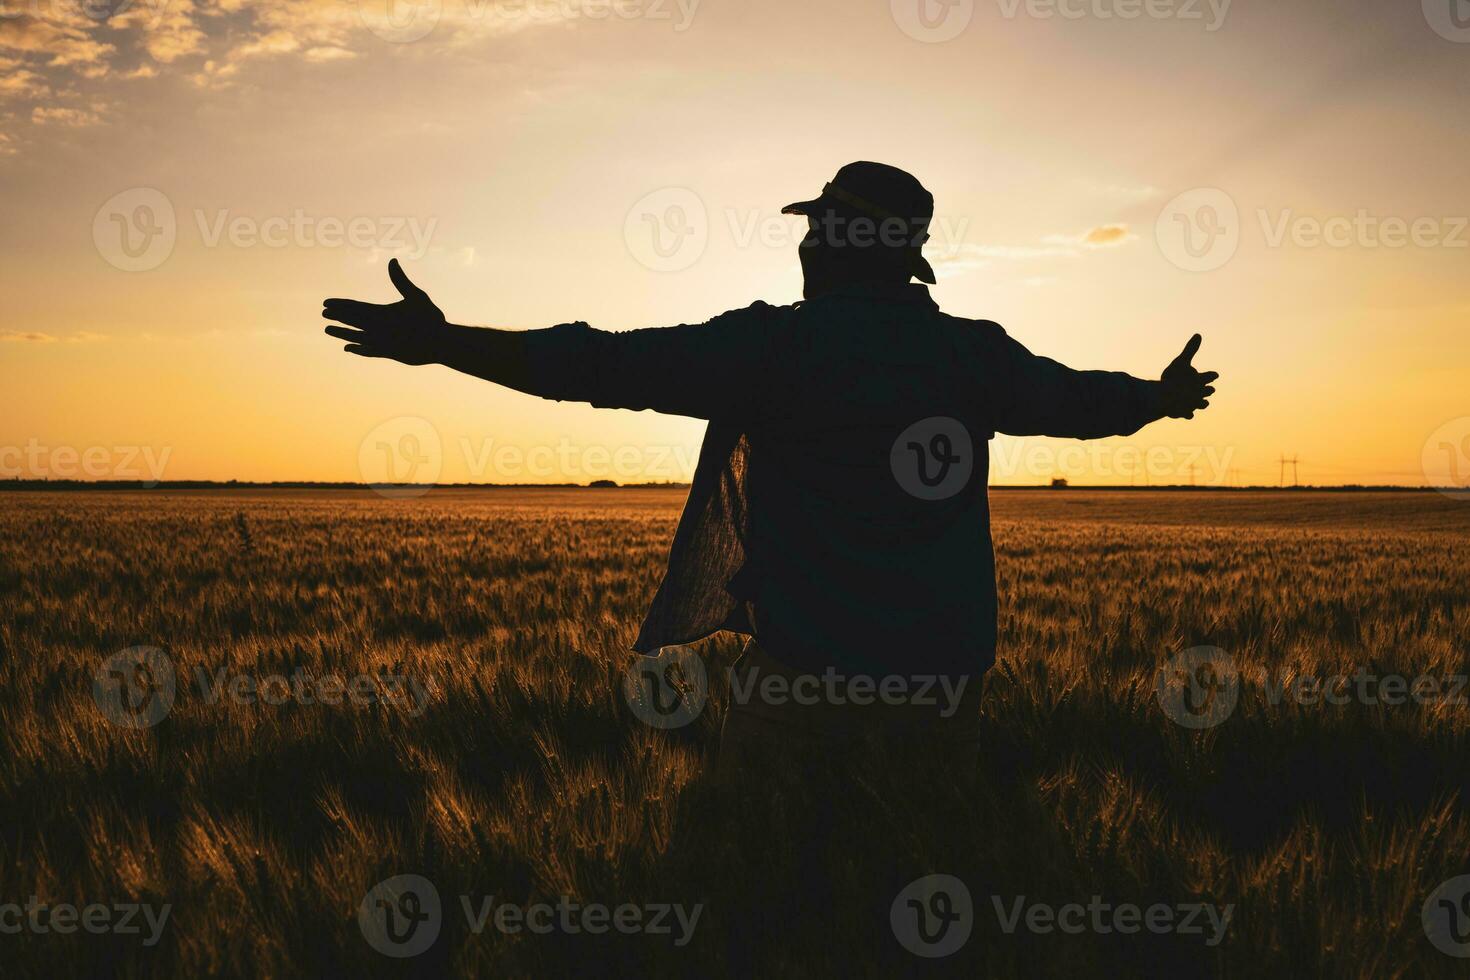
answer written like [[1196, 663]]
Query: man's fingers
[[1208, 390], [351, 311], [345, 333], [401, 282], [362, 351], [1210, 377]]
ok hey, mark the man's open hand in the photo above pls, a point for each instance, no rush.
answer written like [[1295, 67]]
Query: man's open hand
[[1185, 390], [411, 330]]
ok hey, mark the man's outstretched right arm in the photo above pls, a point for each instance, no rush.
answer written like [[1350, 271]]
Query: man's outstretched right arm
[[702, 371]]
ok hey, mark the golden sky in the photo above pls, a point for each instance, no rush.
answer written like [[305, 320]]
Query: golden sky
[[184, 181]]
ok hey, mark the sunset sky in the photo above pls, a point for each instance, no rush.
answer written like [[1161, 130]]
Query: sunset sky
[[183, 182]]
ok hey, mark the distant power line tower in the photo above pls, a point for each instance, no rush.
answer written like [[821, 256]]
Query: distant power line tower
[[1284, 461]]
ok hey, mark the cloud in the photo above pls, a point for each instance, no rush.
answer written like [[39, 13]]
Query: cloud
[[1103, 236], [967, 257], [1128, 193], [62, 36], [64, 116], [276, 42], [23, 84], [59, 46], [37, 337], [328, 52], [1107, 236], [168, 27]]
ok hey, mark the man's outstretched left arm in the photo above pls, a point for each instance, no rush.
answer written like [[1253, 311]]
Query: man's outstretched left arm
[[1037, 396]]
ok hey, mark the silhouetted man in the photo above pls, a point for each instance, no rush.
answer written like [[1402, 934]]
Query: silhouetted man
[[838, 512]]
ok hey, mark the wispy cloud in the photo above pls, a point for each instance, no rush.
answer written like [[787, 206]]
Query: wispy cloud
[[38, 337], [1103, 236], [64, 116], [1124, 193], [967, 257]]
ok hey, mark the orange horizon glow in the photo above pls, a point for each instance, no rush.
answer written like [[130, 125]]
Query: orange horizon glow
[[186, 181]]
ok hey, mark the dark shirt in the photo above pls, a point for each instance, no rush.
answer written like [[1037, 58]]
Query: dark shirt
[[838, 511]]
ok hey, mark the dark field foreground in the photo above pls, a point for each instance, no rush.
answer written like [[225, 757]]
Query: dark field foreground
[[523, 773]]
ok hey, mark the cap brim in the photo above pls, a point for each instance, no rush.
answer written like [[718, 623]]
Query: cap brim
[[921, 269], [803, 207]]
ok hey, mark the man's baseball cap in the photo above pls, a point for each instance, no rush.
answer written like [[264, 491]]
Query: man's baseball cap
[[880, 192]]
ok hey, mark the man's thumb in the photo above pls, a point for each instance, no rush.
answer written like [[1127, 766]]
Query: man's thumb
[[401, 282], [1190, 349]]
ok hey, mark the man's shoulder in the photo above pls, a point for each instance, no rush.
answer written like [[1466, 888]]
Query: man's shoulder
[[759, 311], [987, 328]]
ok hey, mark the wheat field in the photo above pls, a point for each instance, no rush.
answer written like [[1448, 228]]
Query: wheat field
[[493, 752]]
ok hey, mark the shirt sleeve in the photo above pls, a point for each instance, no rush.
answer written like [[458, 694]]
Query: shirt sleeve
[[709, 370], [1037, 396]]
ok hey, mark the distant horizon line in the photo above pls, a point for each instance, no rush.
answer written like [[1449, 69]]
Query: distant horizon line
[[14, 484]]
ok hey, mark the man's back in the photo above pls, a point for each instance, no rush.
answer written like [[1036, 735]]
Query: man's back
[[869, 547]]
